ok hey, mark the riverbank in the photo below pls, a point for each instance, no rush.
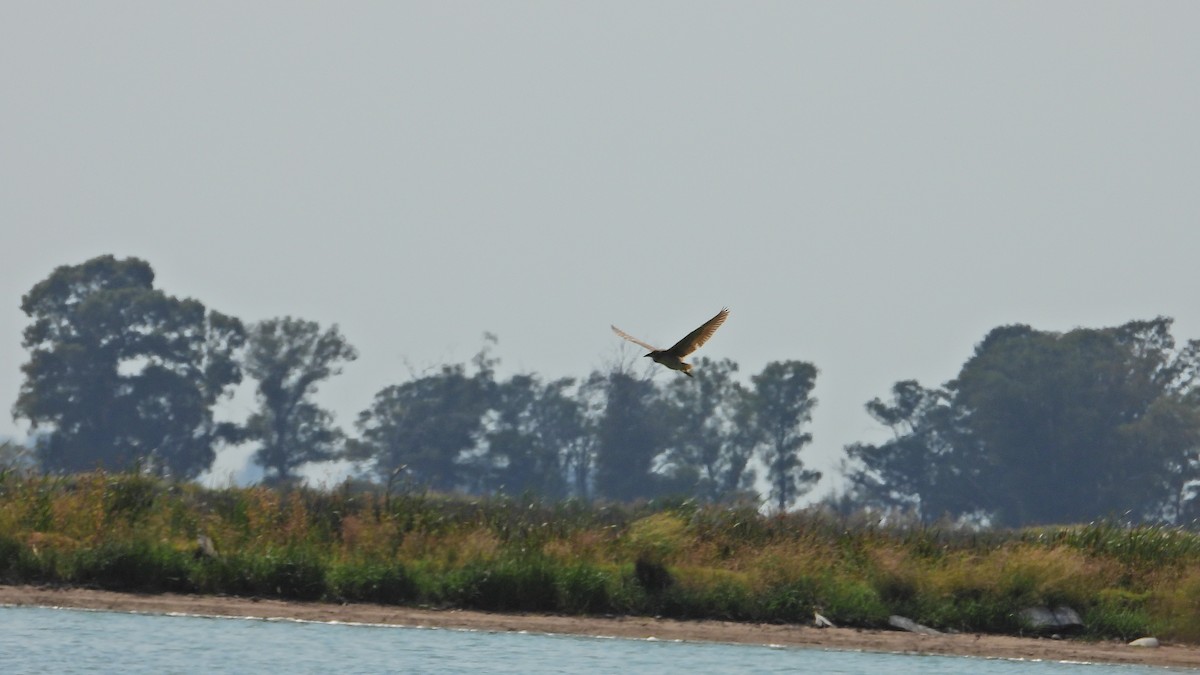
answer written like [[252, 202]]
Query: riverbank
[[987, 646]]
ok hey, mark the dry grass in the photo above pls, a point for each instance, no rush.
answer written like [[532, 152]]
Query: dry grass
[[131, 532]]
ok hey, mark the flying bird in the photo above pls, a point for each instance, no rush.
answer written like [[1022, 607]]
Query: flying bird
[[673, 357]]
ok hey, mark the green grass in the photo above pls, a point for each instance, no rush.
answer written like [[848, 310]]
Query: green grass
[[675, 559]]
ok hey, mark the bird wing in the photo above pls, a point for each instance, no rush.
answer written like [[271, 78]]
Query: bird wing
[[632, 339], [695, 339]]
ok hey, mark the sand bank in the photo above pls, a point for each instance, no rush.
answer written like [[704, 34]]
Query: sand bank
[[994, 646]]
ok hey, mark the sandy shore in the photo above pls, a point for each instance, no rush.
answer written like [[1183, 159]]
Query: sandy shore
[[994, 646]]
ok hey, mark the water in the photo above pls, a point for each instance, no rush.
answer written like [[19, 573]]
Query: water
[[39, 640]]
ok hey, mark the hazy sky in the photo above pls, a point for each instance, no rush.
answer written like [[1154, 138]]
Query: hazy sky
[[868, 186]]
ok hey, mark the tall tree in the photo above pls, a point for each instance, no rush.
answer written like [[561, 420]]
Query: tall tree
[[915, 469], [535, 430], [629, 436], [1062, 420], [1047, 427], [707, 449], [121, 373], [426, 427], [1170, 428], [290, 357], [783, 405]]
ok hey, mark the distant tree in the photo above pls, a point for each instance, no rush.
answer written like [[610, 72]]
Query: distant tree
[[535, 430], [290, 358], [579, 464], [1046, 427], [1069, 425], [426, 428], [782, 406], [707, 447], [579, 458], [122, 374], [1170, 429], [916, 469], [629, 436]]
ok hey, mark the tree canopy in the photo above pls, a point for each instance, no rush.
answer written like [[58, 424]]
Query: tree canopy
[[120, 373], [629, 436], [783, 405], [617, 436], [1045, 427], [710, 448], [290, 357], [424, 427]]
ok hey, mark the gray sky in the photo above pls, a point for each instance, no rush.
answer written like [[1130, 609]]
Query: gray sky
[[868, 186]]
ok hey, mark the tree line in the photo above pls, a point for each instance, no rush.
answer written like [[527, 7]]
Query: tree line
[[1044, 427], [1037, 427], [121, 374]]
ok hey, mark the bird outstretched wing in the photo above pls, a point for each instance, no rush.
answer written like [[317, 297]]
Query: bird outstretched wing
[[695, 339], [632, 339]]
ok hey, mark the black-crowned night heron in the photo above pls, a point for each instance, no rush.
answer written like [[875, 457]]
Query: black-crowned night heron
[[673, 357]]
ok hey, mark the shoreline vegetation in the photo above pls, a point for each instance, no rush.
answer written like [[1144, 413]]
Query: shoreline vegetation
[[692, 566]]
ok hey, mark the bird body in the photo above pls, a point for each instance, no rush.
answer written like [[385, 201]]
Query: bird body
[[673, 357]]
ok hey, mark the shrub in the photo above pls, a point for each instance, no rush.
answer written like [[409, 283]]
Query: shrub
[[1118, 613], [583, 588], [131, 566], [372, 582]]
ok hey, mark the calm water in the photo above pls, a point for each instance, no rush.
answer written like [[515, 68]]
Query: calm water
[[35, 640]]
